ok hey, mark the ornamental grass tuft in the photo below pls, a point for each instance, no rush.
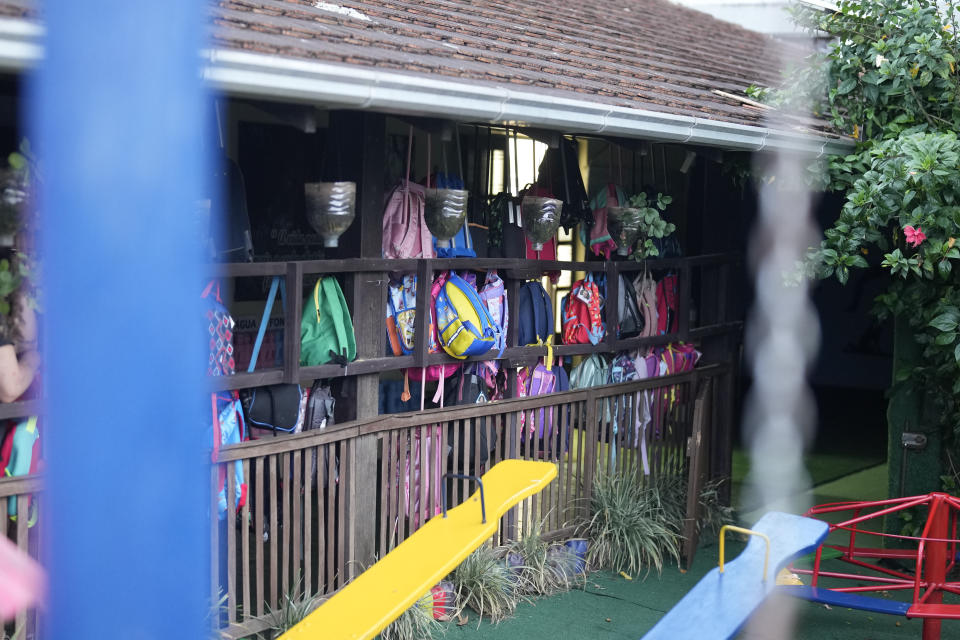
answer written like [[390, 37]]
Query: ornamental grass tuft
[[416, 623], [486, 585]]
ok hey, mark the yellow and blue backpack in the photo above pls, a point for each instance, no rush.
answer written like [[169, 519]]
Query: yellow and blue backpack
[[464, 325]]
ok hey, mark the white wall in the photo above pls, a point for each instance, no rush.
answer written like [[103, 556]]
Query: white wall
[[765, 16]]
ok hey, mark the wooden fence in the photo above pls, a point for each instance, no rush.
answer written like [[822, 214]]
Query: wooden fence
[[297, 530], [319, 505], [20, 499]]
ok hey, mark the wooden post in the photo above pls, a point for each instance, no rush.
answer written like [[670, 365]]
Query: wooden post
[[358, 142], [610, 305], [291, 326]]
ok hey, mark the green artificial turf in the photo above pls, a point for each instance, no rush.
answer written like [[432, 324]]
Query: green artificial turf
[[613, 607], [822, 468]]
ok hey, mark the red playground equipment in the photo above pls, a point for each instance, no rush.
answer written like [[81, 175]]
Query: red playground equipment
[[931, 556]]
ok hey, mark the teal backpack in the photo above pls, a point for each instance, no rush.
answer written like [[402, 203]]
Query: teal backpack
[[591, 372], [326, 330]]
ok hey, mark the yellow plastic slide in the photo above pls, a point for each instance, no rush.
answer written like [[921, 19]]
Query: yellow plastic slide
[[381, 593]]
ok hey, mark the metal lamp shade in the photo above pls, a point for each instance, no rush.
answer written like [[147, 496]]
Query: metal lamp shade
[[541, 217], [444, 211], [623, 223], [330, 208]]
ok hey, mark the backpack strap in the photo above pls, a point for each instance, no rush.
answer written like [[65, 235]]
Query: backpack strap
[[539, 319], [612, 199], [212, 287], [276, 283]]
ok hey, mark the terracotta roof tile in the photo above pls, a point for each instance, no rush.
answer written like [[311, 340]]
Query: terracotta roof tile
[[648, 54]]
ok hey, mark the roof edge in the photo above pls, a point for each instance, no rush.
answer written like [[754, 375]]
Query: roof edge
[[265, 76], [260, 75]]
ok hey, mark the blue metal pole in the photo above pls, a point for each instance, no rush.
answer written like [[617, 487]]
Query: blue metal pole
[[117, 114]]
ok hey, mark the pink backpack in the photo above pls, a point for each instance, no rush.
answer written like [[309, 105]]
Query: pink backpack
[[405, 232], [600, 241]]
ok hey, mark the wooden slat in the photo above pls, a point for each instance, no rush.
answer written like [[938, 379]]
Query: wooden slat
[[21, 409], [321, 475], [454, 485], [425, 479], [309, 480], [384, 494], [231, 544], [394, 489], [245, 380], [406, 486], [346, 478], [589, 454], [285, 526], [274, 498], [245, 546], [297, 526], [215, 531], [333, 471], [258, 508], [23, 543]]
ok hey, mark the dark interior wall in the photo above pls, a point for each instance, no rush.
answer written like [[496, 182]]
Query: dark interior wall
[[852, 369]]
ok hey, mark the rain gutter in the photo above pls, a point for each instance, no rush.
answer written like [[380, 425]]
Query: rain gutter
[[343, 86], [350, 87]]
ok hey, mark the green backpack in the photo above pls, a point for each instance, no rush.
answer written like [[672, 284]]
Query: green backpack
[[326, 331]]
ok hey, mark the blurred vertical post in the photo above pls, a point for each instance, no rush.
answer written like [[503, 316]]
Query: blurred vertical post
[[117, 114], [783, 336]]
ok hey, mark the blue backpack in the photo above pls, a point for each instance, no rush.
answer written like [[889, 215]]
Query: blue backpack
[[464, 325], [534, 315], [461, 245]]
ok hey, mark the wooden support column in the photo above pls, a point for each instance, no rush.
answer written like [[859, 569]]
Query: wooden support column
[[613, 295], [291, 328], [355, 151]]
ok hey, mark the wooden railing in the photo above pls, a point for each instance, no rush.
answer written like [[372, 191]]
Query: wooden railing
[[303, 489], [316, 501], [715, 269], [21, 496]]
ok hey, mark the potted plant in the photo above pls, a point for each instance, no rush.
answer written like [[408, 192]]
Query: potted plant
[[651, 223]]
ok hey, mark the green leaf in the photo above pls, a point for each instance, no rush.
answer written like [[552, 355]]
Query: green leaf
[[17, 161], [956, 353], [946, 338], [945, 322], [846, 86]]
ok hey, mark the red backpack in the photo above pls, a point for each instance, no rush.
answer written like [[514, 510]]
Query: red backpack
[[582, 319]]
